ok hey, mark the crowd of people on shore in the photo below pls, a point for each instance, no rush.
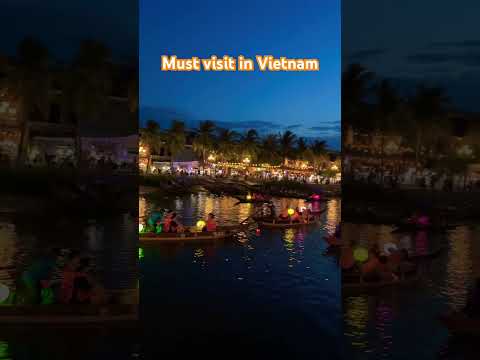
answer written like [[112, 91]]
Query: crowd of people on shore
[[61, 276], [396, 177]]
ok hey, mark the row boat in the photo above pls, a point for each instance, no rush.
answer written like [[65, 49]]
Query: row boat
[[59, 314], [286, 225], [282, 224], [356, 284], [253, 201], [222, 232]]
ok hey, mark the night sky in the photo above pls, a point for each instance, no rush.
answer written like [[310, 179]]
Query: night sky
[[306, 103], [62, 25], [412, 42]]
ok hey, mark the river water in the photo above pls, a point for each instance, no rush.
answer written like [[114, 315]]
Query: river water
[[272, 293], [112, 244], [404, 324]]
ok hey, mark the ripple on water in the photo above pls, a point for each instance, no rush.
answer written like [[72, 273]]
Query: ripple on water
[[391, 322]]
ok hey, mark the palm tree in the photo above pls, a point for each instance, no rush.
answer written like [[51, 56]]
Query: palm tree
[[203, 142], [287, 144], [302, 147], [91, 84], [227, 143], [388, 103], [152, 138], [317, 152], [28, 85], [249, 144], [270, 149], [175, 137], [356, 87], [428, 105]]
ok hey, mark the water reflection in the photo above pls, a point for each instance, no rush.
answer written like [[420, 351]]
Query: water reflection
[[390, 322], [112, 244], [263, 285]]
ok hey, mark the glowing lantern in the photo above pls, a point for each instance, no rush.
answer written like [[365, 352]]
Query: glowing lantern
[[316, 197], [360, 254], [4, 293], [249, 197], [140, 228], [200, 224], [291, 211], [257, 231]]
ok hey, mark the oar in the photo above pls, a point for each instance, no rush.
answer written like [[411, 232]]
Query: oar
[[243, 222]]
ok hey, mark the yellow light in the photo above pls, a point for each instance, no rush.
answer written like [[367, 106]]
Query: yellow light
[[249, 197], [211, 157], [360, 254], [4, 293], [246, 160], [291, 211], [200, 224]]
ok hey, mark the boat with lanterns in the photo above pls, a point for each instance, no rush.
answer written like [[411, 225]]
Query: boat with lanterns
[[193, 234]]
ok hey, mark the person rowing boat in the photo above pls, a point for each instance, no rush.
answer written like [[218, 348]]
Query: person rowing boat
[[211, 224]]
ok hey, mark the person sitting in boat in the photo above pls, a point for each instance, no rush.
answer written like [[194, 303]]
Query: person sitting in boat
[[36, 276], [82, 288], [296, 216], [211, 224], [369, 269], [384, 271], [167, 221], [175, 225], [284, 214], [68, 277], [272, 211]]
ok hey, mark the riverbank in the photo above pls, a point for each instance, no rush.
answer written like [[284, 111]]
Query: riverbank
[[376, 205], [168, 185], [73, 192]]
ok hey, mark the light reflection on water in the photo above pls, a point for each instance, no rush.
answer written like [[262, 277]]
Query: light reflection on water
[[387, 325], [112, 244], [275, 280]]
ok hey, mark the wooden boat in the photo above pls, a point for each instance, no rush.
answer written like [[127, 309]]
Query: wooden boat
[[222, 233], [353, 283], [59, 314], [286, 225], [252, 201], [428, 256], [461, 325]]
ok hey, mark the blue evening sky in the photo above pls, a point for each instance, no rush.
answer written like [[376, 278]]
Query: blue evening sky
[[308, 103]]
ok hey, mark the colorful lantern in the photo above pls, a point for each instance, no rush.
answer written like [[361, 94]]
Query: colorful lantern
[[200, 224], [291, 211], [360, 254]]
